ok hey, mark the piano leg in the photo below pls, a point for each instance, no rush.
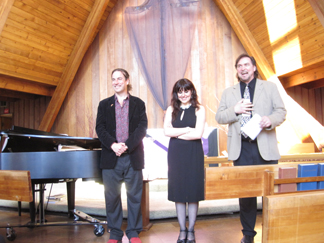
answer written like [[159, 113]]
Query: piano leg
[[41, 203], [32, 211], [32, 205], [70, 188]]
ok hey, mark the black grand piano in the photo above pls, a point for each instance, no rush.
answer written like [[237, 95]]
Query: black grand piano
[[37, 151]]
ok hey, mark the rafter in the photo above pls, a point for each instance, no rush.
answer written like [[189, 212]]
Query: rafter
[[22, 85], [84, 41], [303, 77]]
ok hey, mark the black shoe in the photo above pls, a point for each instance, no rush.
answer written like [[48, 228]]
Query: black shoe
[[193, 240], [247, 239], [185, 239]]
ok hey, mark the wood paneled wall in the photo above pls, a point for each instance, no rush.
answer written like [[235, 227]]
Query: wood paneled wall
[[312, 100], [211, 68], [28, 112]]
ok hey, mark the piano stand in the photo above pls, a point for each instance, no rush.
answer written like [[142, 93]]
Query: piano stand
[[70, 186]]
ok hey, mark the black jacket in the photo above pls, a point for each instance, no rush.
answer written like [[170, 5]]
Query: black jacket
[[106, 131]]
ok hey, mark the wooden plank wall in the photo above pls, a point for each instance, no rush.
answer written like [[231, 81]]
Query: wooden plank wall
[[28, 113], [211, 68], [312, 100]]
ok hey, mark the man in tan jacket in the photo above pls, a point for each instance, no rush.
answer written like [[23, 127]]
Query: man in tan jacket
[[238, 104]]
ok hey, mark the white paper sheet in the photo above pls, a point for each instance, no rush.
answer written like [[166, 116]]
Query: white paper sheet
[[252, 128]]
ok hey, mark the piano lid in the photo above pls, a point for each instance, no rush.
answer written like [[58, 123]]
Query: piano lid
[[20, 139]]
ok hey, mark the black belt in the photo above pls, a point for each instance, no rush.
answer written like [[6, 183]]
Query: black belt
[[249, 140], [125, 153]]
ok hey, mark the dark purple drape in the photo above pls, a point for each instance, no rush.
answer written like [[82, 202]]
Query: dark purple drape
[[161, 32]]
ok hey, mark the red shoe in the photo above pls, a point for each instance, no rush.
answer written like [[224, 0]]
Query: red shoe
[[135, 240], [114, 241]]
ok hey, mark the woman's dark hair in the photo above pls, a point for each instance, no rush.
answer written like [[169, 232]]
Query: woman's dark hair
[[183, 85], [256, 72], [125, 74]]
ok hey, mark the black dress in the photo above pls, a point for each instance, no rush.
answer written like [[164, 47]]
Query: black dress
[[186, 163]]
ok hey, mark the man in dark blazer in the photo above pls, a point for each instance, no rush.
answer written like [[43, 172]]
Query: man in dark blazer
[[121, 126], [265, 100]]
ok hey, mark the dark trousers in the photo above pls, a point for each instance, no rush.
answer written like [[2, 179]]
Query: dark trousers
[[113, 179], [248, 206]]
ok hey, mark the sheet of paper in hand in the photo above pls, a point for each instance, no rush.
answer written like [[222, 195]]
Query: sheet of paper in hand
[[252, 128]]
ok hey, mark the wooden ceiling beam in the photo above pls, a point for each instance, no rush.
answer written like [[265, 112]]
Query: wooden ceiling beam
[[315, 84], [5, 6], [87, 35], [318, 7], [38, 78], [303, 77], [22, 85], [244, 34]]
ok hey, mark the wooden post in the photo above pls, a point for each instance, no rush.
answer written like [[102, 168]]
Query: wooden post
[[146, 206]]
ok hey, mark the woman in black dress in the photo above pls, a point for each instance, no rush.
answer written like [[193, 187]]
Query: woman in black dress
[[184, 123]]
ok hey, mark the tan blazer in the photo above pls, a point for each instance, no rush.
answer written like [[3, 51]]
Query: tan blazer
[[267, 102]]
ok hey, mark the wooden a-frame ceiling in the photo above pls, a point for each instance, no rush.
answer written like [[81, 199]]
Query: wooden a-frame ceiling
[[42, 43]]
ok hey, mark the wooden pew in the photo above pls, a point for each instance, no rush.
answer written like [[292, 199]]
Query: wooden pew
[[293, 217], [238, 181], [256, 181], [285, 159], [15, 185]]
